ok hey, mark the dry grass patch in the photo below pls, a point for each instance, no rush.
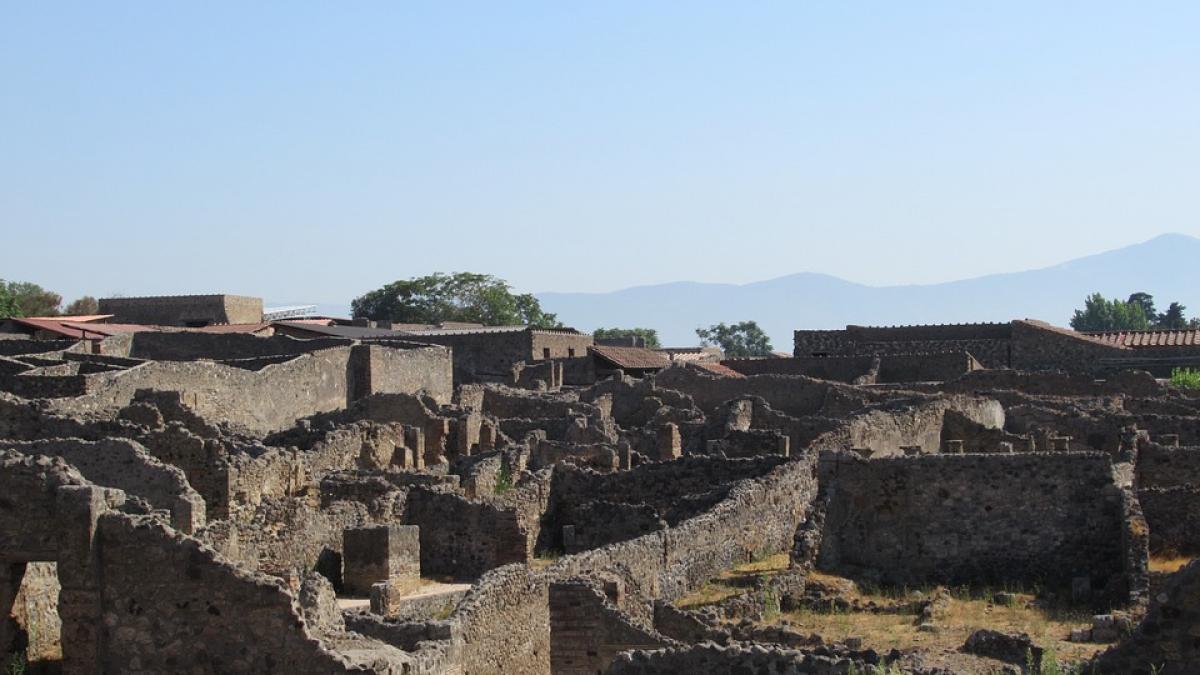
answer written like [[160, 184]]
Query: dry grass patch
[[1169, 564], [964, 614], [734, 581]]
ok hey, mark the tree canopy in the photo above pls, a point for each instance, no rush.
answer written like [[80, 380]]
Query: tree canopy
[[648, 334], [464, 296], [22, 298], [1136, 313], [8, 304], [83, 306], [739, 340]]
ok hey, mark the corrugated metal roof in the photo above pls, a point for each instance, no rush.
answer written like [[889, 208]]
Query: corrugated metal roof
[[634, 358], [1141, 339]]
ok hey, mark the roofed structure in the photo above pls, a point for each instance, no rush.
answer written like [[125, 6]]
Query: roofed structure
[[630, 359]]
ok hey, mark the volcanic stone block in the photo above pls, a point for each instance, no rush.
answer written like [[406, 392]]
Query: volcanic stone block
[[380, 553]]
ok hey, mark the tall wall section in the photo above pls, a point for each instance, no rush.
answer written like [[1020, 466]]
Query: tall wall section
[[984, 519]]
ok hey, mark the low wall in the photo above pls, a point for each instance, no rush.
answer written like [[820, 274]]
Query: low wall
[[275, 396], [712, 659]]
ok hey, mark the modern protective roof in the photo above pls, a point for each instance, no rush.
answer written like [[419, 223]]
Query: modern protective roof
[[1141, 339], [632, 358]]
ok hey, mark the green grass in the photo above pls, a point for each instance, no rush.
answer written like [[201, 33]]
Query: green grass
[[16, 665], [504, 481], [1185, 378]]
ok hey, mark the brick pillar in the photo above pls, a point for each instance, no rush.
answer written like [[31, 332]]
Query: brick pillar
[[380, 554]]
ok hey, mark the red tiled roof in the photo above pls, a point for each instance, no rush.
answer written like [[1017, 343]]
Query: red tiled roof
[[719, 369], [80, 330], [633, 358], [1136, 339], [1067, 332], [78, 318]]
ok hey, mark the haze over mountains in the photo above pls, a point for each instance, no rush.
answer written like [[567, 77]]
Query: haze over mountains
[[1161, 266]]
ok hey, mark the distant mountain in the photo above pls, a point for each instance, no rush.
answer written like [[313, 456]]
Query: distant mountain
[[1160, 267]]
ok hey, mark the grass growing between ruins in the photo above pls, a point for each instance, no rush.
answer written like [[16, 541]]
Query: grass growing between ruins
[[733, 581], [1185, 378], [967, 611], [544, 559]]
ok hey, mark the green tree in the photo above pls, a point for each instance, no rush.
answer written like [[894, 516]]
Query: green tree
[[83, 306], [1146, 302], [464, 296], [737, 340], [1099, 313], [1173, 318], [8, 304], [31, 299], [648, 334]]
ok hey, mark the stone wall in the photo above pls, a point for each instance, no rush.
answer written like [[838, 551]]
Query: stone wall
[[464, 538], [275, 396], [1173, 515], [988, 343], [587, 630], [1162, 466], [184, 310], [738, 659], [126, 465], [1165, 642], [890, 368], [982, 519], [503, 624], [170, 604], [792, 394], [191, 345], [758, 517]]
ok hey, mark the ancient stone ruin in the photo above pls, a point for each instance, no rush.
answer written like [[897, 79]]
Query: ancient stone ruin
[[207, 502]]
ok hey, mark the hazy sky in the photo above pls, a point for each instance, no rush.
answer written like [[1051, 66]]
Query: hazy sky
[[313, 151]]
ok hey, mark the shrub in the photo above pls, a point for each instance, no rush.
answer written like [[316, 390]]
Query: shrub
[[1186, 378]]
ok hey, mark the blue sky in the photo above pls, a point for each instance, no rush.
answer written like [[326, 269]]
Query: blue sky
[[313, 151]]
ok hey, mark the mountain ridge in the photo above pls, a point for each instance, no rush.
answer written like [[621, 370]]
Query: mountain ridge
[[821, 301]]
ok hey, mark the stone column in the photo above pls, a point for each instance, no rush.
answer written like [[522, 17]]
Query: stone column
[[414, 440], [487, 436], [380, 554], [670, 444]]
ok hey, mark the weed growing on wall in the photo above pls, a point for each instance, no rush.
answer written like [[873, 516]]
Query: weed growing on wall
[[1186, 378], [504, 481]]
